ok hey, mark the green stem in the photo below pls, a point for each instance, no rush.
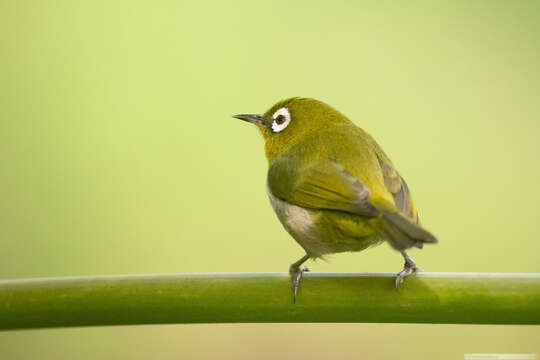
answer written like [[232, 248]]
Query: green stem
[[450, 298]]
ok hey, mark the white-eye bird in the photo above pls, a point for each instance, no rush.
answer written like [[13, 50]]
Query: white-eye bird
[[332, 186]]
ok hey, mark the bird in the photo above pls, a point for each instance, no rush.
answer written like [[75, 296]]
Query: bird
[[332, 187]]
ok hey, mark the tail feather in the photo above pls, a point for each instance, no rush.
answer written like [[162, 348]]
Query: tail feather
[[402, 233]]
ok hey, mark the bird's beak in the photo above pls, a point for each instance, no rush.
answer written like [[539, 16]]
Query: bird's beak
[[257, 119]]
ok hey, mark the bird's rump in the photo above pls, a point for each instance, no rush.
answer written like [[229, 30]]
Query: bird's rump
[[397, 186]]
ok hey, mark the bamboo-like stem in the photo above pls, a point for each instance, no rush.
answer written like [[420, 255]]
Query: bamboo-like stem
[[451, 298]]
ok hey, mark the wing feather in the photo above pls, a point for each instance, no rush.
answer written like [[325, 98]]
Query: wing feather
[[398, 188], [325, 185]]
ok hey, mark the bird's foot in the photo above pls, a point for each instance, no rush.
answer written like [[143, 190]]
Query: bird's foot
[[409, 268], [296, 274]]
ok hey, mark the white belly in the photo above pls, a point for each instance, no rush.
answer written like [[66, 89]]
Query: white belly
[[300, 223]]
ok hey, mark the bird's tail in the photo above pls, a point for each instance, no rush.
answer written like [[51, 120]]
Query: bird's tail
[[401, 232]]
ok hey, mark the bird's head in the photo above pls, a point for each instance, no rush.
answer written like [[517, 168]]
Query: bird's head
[[290, 121]]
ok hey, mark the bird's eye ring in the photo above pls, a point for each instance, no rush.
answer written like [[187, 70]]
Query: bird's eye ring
[[282, 118]]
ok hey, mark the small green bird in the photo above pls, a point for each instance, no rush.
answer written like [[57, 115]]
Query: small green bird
[[332, 186]]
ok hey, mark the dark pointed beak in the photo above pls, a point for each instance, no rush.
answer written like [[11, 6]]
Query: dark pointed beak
[[257, 119]]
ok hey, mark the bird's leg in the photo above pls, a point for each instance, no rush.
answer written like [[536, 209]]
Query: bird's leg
[[409, 268], [295, 270]]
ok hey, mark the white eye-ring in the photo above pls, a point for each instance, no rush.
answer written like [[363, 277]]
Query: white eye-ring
[[282, 118]]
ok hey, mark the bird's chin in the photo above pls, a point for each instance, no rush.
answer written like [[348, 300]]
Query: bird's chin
[[266, 132]]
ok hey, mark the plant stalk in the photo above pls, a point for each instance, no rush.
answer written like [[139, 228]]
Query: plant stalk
[[438, 298]]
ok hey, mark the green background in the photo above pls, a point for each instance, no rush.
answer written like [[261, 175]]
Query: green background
[[118, 154]]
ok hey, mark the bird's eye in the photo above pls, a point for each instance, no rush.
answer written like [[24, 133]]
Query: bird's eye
[[282, 118]]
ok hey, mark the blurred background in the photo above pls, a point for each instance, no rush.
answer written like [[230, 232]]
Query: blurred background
[[118, 154]]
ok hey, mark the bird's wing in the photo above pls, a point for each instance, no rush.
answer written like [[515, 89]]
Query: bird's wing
[[325, 185], [397, 186]]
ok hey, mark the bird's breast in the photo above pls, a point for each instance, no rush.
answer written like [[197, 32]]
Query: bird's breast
[[302, 224], [322, 232], [295, 218]]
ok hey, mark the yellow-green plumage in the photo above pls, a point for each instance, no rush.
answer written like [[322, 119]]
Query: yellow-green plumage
[[331, 185]]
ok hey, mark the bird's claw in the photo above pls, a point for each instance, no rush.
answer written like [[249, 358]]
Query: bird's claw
[[409, 268], [296, 274]]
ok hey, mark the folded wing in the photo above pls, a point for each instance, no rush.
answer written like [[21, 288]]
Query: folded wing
[[327, 185]]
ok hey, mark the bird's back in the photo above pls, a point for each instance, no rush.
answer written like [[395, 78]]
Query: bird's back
[[360, 155]]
